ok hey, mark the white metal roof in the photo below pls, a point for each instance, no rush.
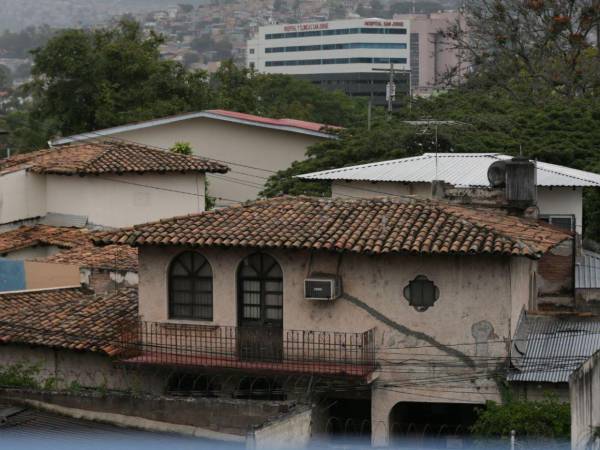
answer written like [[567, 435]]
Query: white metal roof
[[457, 169], [209, 114]]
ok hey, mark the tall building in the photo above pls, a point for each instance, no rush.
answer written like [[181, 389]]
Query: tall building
[[345, 54]]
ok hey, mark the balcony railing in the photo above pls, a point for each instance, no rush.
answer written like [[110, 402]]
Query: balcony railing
[[249, 348]]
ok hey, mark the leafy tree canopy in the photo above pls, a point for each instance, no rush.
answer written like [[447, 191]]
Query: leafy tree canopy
[[546, 418]]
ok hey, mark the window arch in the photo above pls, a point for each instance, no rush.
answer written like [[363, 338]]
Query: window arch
[[190, 287], [260, 291]]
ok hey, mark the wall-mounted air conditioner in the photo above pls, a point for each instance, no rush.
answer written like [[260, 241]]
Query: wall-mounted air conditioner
[[322, 288]]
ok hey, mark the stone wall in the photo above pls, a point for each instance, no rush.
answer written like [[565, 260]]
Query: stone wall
[[290, 431]]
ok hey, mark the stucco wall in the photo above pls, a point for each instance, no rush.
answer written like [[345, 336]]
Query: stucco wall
[[22, 196], [118, 201], [41, 275], [562, 200], [585, 405], [247, 146]]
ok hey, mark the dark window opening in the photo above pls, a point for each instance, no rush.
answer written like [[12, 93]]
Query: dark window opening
[[190, 288], [421, 293]]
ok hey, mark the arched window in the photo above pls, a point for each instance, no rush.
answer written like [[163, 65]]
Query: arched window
[[190, 287], [260, 289]]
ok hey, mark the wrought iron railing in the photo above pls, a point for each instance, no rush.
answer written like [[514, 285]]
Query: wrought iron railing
[[261, 348]]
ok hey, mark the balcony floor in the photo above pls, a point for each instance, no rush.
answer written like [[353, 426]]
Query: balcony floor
[[324, 368]]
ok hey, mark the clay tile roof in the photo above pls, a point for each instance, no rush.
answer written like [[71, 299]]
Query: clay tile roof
[[368, 226], [75, 244], [70, 318], [95, 158]]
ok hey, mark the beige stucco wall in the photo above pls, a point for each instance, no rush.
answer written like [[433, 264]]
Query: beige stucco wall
[[119, 201], [480, 299], [41, 275], [248, 147], [584, 387], [22, 196]]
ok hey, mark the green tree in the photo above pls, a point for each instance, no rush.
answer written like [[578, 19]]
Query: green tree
[[85, 80], [5, 77], [547, 418]]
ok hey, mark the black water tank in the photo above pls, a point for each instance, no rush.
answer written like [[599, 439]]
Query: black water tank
[[521, 191]]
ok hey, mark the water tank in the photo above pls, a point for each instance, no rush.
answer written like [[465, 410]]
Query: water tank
[[521, 191]]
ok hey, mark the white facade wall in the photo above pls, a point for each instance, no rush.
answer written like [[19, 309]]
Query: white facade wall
[[258, 56], [125, 200], [22, 196], [562, 201]]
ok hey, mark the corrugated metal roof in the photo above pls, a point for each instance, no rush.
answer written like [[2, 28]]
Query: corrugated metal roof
[[64, 220], [587, 271], [549, 349], [457, 169]]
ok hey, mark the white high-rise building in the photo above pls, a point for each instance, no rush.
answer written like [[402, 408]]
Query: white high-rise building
[[342, 54]]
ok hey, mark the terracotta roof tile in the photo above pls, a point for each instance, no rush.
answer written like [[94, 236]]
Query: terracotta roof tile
[[370, 226], [70, 318], [94, 158], [75, 244]]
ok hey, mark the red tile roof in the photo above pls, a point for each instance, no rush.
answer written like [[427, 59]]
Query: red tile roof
[[95, 158], [301, 124], [76, 245], [69, 318], [368, 226]]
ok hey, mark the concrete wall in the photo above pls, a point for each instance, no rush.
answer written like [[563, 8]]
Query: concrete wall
[[533, 391], [65, 368], [102, 281], [125, 200], [16, 275], [585, 405], [562, 200], [22, 196], [244, 145], [291, 431], [41, 275], [480, 299], [228, 419]]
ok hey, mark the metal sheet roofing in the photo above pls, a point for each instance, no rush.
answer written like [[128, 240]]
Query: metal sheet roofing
[[289, 125], [458, 169], [587, 271], [549, 349]]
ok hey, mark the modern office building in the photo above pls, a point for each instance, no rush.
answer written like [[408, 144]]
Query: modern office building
[[343, 54]]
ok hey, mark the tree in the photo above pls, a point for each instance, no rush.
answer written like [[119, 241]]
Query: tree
[[85, 80], [538, 47], [5, 77], [547, 418]]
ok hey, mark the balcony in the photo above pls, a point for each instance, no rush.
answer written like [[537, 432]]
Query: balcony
[[255, 349]]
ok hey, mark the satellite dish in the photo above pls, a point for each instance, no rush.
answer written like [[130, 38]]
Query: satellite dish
[[497, 174]]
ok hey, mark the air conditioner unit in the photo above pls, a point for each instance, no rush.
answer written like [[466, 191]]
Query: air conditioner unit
[[322, 288]]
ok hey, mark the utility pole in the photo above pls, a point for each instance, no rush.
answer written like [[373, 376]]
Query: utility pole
[[391, 88]]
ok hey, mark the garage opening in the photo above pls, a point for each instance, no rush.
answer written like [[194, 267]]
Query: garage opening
[[419, 423]]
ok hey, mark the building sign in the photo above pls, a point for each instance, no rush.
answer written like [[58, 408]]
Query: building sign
[[383, 23], [306, 27]]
